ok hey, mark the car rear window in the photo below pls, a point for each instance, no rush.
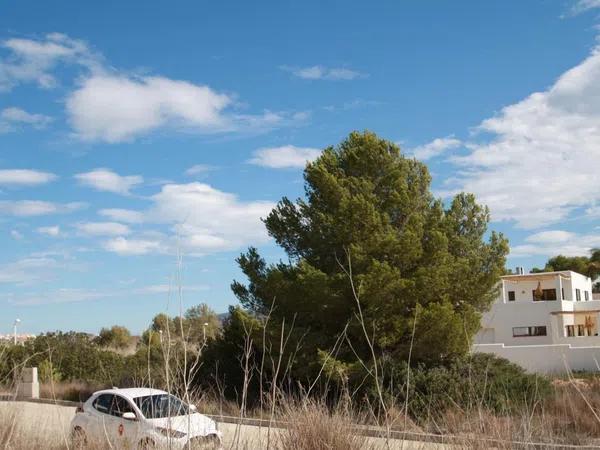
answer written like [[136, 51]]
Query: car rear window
[[115, 405], [103, 403]]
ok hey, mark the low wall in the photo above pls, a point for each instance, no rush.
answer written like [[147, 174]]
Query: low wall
[[550, 358], [28, 386]]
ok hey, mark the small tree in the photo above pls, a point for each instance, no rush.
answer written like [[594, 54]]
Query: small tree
[[162, 322], [116, 336], [201, 321], [48, 373]]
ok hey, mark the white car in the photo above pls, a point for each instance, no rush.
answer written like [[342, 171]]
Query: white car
[[142, 418]]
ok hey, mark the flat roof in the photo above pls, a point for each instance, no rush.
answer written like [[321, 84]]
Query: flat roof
[[541, 275]]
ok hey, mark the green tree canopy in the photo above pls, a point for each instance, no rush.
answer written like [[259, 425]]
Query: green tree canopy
[[368, 210], [191, 324], [201, 318], [162, 322], [116, 336]]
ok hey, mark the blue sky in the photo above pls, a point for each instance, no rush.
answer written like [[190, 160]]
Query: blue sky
[[141, 142]]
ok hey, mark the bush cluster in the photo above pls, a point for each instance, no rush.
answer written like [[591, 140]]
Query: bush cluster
[[469, 383], [68, 357]]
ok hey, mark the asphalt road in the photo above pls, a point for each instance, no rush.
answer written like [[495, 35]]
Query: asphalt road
[[48, 423]]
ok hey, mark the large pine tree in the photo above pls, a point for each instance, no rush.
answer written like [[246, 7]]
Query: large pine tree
[[368, 210]]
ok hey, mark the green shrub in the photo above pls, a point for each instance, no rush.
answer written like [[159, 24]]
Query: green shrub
[[116, 337], [48, 373], [475, 381]]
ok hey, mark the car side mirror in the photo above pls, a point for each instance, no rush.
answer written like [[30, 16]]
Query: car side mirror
[[129, 416], [193, 408]]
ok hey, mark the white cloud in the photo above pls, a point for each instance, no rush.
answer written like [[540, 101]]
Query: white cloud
[[556, 242], [29, 208], [352, 104], [106, 180], [53, 231], [541, 162], [206, 220], [32, 60], [551, 237], [287, 156], [167, 288], [114, 108], [28, 270], [199, 169], [24, 177], [435, 148], [117, 108], [584, 5], [593, 211], [73, 295], [122, 215], [102, 229], [12, 118], [16, 235], [127, 247], [201, 218], [61, 295], [323, 73]]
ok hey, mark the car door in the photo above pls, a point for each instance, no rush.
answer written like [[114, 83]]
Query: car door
[[128, 431], [105, 425]]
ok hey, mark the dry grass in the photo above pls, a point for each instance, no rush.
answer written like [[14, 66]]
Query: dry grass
[[312, 426], [566, 418], [569, 417], [20, 434], [573, 413], [76, 391]]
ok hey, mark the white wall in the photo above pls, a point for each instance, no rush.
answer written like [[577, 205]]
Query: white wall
[[524, 288], [547, 358], [582, 283], [502, 317]]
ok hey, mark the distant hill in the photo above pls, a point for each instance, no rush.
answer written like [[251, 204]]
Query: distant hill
[[222, 317]]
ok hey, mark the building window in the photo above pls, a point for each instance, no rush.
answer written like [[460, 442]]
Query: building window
[[570, 330], [511, 296], [562, 293], [547, 295], [529, 331], [580, 330], [587, 295], [578, 295]]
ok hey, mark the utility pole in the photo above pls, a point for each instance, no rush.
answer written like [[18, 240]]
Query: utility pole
[[17, 322], [204, 325]]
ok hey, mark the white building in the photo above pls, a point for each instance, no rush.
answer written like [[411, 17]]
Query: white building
[[21, 338], [546, 322]]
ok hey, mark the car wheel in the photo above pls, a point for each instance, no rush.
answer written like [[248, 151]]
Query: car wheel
[[78, 438], [210, 442], [146, 444]]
